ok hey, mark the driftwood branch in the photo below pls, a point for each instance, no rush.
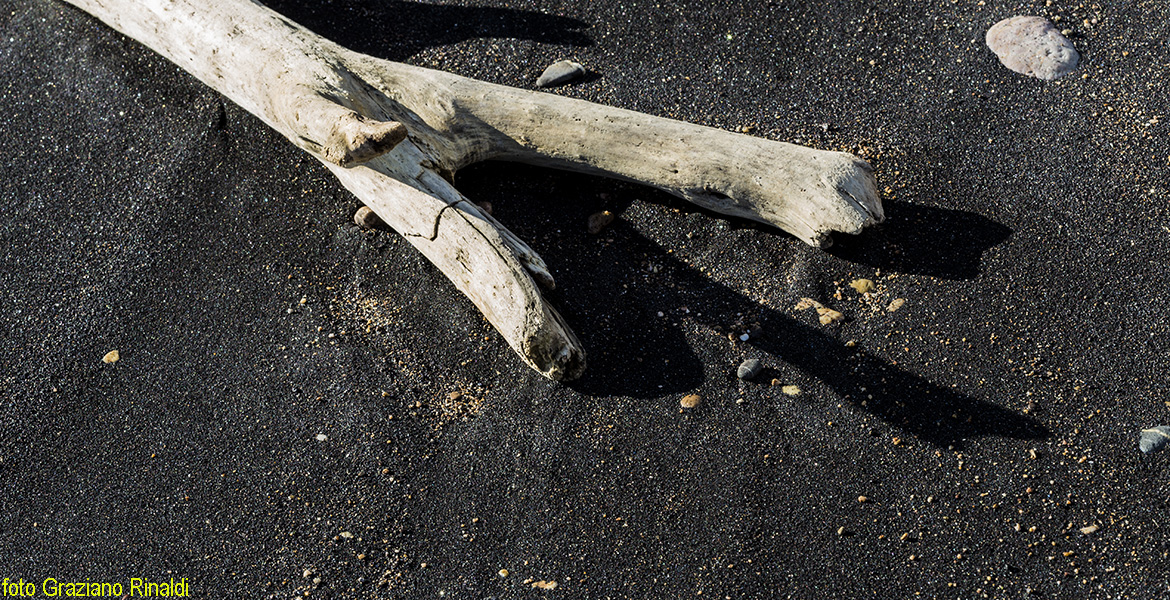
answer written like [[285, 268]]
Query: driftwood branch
[[394, 135]]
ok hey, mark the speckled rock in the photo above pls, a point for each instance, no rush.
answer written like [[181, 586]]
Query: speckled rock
[[749, 369], [1154, 439], [1032, 46]]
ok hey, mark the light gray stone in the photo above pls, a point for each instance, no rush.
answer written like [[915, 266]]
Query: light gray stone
[[1032, 46], [560, 72]]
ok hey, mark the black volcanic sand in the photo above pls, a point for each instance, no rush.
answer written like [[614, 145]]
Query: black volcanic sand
[[985, 422]]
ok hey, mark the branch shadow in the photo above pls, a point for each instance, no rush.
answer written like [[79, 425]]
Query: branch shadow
[[921, 238], [396, 30], [924, 240], [620, 280]]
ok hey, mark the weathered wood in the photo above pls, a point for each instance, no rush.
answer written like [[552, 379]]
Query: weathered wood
[[394, 135]]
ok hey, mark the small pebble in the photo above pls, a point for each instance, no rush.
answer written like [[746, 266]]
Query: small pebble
[[111, 357], [828, 315], [791, 390], [862, 499], [545, 585], [321, 437], [503, 573], [1090, 529], [862, 286], [366, 218], [307, 573], [690, 400], [1032, 46], [347, 535], [841, 531], [1154, 439], [560, 72], [599, 221], [749, 368], [895, 304], [453, 396]]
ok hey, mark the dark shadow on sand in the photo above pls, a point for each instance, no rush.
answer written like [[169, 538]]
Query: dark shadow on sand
[[924, 240], [396, 30], [611, 292]]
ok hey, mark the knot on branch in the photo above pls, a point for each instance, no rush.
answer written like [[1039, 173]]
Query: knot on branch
[[356, 139]]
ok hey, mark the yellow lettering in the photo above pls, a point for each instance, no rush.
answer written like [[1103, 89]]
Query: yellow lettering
[[136, 585], [49, 587]]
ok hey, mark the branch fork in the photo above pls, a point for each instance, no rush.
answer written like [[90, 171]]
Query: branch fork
[[395, 134]]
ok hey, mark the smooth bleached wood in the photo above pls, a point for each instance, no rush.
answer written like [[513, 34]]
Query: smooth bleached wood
[[395, 134]]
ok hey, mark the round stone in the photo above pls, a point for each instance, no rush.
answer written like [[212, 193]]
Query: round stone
[[749, 369], [366, 218], [560, 72], [1032, 46], [690, 400]]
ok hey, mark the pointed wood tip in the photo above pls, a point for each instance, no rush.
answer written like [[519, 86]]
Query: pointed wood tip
[[356, 139]]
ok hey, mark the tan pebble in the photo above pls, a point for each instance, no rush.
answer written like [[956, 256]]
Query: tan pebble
[[503, 573], [895, 304], [862, 499], [862, 286], [111, 357], [775, 382], [347, 535], [1090, 529], [690, 400], [598, 221], [896, 441], [850, 343], [841, 531], [366, 218], [828, 315], [361, 557], [453, 396], [791, 390], [545, 585]]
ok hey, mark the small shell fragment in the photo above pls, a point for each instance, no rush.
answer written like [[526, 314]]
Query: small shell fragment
[[560, 72], [366, 218], [895, 304], [599, 221], [1090, 529], [791, 390], [111, 357], [862, 286]]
